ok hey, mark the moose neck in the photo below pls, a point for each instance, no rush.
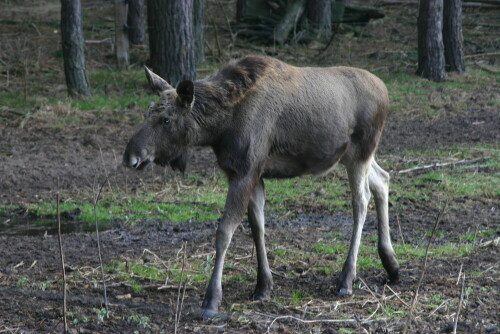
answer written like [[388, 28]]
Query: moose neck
[[211, 111]]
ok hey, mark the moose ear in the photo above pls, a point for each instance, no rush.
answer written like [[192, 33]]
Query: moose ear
[[185, 92], [157, 83]]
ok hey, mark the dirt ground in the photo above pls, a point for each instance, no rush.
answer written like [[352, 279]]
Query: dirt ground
[[35, 156]]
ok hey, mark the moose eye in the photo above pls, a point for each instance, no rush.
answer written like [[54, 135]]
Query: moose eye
[[165, 120]]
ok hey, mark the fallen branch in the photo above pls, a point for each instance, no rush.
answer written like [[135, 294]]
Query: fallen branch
[[99, 41], [483, 55], [96, 200], [455, 323], [62, 261], [493, 242], [178, 307], [475, 3], [334, 321], [441, 164]]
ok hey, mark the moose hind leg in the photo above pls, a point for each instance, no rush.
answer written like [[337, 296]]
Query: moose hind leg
[[256, 219], [379, 186], [358, 181]]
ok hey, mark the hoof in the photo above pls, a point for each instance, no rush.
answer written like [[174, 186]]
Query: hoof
[[393, 277], [343, 292], [260, 296], [206, 313]]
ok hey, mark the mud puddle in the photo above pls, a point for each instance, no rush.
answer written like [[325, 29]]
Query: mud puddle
[[34, 226]]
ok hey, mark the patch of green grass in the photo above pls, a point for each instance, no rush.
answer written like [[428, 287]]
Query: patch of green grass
[[334, 248], [279, 252], [22, 282], [468, 181], [326, 191], [408, 92], [142, 321], [365, 262], [407, 252], [296, 297], [132, 209], [326, 269], [393, 311]]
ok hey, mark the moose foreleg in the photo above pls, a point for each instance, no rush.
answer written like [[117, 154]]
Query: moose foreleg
[[256, 220], [237, 200], [358, 181]]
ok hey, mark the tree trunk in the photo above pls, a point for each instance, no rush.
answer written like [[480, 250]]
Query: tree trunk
[[150, 10], [73, 48], [430, 40], [135, 21], [452, 36], [198, 30], [121, 38], [319, 13], [294, 10], [172, 51], [241, 6]]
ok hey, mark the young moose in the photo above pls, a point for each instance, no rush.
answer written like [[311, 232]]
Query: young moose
[[267, 119]]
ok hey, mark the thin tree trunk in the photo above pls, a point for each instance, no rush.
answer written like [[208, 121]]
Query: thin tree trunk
[[241, 6], [73, 48], [430, 40], [294, 10], [452, 36], [121, 38], [320, 14], [151, 8], [172, 56], [198, 30], [135, 21]]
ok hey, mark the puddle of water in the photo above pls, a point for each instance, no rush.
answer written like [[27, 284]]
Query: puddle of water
[[39, 226]]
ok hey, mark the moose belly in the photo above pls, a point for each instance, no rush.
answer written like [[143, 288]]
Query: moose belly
[[286, 166]]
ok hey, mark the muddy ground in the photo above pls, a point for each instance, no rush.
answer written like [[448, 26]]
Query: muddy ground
[[35, 156]]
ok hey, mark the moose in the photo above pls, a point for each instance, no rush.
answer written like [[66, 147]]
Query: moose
[[264, 118]]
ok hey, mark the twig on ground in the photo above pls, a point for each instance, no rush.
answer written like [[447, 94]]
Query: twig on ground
[[373, 294], [178, 307], [455, 323], [338, 321], [459, 273], [397, 296], [105, 169], [441, 164], [444, 302], [62, 260], [399, 228], [415, 297], [96, 200]]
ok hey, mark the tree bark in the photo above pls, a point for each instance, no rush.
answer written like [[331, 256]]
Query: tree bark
[[73, 48], [198, 30], [430, 40], [135, 22], [292, 15], [121, 38], [241, 6], [171, 41], [150, 10], [319, 13], [452, 36]]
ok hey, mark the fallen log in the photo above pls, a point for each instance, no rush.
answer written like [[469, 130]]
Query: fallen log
[[441, 164]]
